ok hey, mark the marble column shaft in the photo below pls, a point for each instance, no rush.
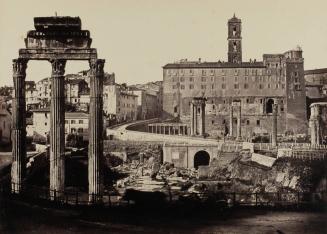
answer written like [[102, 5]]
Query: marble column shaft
[[231, 121], [18, 126], [95, 157], [274, 125], [57, 129], [192, 118], [203, 119], [239, 123]]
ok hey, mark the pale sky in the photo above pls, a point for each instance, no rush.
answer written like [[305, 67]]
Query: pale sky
[[138, 37]]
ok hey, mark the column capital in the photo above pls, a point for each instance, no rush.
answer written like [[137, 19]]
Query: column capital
[[58, 67], [96, 67], [19, 66]]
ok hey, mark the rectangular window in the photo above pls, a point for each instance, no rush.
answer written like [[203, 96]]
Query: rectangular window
[[191, 86], [191, 72], [246, 86], [223, 86], [203, 79], [247, 122], [80, 121], [182, 79], [212, 86], [258, 122], [235, 78], [191, 79], [66, 121], [73, 121], [203, 86], [283, 86], [297, 87], [203, 72], [236, 86], [212, 72], [235, 72], [269, 86], [182, 87], [260, 86]]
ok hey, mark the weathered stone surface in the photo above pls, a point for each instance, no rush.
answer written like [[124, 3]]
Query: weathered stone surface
[[18, 125], [95, 157], [57, 129]]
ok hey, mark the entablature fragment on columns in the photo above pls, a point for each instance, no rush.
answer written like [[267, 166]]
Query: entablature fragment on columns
[[63, 53]]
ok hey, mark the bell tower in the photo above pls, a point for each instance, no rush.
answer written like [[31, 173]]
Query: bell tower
[[234, 40]]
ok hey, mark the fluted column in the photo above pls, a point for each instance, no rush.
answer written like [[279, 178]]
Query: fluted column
[[239, 124], [18, 126], [274, 125], [57, 129], [192, 118], [196, 132], [95, 157], [231, 120], [313, 132], [314, 124], [203, 119]]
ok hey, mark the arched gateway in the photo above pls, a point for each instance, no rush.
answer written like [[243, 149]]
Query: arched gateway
[[58, 39], [201, 158]]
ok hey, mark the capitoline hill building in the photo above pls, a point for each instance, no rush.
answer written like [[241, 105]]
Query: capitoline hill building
[[255, 85]]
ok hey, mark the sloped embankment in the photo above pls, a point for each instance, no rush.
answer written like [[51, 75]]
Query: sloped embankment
[[285, 175]]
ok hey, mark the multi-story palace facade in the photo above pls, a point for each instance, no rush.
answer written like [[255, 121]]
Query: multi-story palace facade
[[256, 85]]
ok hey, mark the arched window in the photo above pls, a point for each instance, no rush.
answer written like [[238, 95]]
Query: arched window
[[269, 106]]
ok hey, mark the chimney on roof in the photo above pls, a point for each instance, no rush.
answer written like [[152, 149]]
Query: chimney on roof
[[199, 60]]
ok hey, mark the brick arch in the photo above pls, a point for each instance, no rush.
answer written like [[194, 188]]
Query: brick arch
[[201, 158]]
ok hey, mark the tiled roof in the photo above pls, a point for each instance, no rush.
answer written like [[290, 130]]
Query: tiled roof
[[214, 65], [315, 71], [68, 115], [76, 115]]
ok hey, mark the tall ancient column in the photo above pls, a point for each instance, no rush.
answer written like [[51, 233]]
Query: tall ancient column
[[196, 124], [18, 126], [274, 126], [203, 118], [231, 121], [95, 157], [239, 125], [57, 128], [313, 132], [192, 118], [314, 124]]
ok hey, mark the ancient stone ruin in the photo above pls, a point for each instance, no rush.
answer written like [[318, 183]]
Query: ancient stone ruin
[[58, 39]]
